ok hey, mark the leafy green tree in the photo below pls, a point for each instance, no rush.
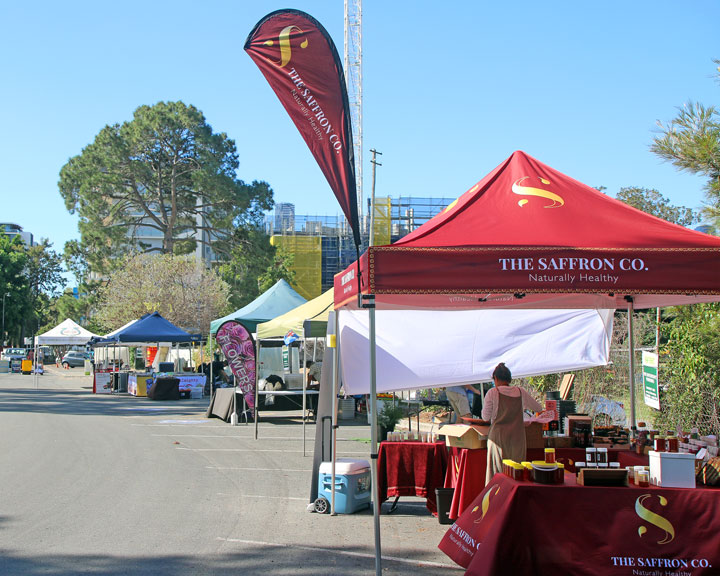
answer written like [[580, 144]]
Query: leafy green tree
[[186, 294], [691, 142], [165, 172], [44, 270], [254, 266], [652, 202], [14, 288], [690, 370]]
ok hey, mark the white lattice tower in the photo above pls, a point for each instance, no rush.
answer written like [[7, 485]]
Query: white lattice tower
[[353, 78]]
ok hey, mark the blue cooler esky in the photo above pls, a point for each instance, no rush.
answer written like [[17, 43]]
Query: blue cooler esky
[[451, 89]]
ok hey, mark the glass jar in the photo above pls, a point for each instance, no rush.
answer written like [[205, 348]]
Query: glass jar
[[550, 455], [659, 443], [602, 457], [643, 478], [672, 444], [591, 457], [638, 469]]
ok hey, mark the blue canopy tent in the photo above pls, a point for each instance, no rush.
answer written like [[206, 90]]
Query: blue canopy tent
[[149, 328], [270, 304]]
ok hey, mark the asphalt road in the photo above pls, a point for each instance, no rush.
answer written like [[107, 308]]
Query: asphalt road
[[95, 484]]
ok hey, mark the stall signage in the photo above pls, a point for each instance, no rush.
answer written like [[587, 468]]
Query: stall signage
[[238, 347], [286, 358], [650, 379]]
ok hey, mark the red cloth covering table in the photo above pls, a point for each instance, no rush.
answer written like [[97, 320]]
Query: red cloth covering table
[[411, 469], [466, 469], [525, 528]]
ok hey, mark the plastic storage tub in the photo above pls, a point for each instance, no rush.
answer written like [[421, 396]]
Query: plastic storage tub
[[672, 469], [352, 484]]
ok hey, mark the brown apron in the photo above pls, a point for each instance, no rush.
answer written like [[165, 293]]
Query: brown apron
[[506, 439]]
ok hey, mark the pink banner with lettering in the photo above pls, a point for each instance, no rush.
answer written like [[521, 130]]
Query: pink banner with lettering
[[238, 346]]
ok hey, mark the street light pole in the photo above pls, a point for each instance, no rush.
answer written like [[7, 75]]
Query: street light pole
[[3, 319]]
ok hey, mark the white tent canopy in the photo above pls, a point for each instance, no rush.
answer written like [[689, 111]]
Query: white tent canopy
[[67, 333], [435, 349]]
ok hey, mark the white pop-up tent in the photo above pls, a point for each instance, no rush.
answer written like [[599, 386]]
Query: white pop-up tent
[[67, 333]]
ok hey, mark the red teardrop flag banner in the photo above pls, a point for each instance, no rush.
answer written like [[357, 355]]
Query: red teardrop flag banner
[[300, 62], [237, 345]]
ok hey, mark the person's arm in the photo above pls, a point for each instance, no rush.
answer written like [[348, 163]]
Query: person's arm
[[472, 389], [489, 404], [529, 403]]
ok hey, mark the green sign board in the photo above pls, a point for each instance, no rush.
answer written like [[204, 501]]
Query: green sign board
[[650, 379]]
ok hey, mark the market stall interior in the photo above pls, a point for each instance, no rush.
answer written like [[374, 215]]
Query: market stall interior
[[525, 237], [158, 353]]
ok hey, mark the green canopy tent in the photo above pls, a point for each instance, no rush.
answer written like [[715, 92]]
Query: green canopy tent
[[270, 304], [308, 320]]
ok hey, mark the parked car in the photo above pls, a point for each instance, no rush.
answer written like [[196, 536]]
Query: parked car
[[73, 359], [14, 354]]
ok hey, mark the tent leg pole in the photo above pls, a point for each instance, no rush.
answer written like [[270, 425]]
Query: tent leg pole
[[631, 362], [335, 381], [373, 442]]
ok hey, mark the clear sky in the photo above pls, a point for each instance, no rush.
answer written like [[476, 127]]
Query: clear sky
[[451, 89]]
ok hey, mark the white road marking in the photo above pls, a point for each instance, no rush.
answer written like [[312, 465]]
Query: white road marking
[[255, 450], [264, 497], [258, 469], [342, 552]]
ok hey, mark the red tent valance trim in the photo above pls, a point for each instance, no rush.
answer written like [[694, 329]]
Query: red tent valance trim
[[524, 291], [463, 249]]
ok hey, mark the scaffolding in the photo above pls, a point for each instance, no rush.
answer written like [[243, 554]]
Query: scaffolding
[[307, 262], [322, 246]]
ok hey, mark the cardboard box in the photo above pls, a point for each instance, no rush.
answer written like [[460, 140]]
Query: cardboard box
[[464, 435], [672, 469], [573, 420], [534, 436], [558, 442]]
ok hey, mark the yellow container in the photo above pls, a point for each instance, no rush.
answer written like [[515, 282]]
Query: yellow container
[[26, 367]]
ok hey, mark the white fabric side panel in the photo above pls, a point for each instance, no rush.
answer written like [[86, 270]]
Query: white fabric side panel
[[434, 349]]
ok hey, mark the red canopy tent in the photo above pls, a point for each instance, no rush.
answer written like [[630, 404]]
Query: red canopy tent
[[529, 236]]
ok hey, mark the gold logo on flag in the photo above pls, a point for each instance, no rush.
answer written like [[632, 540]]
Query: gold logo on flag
[[654, 519], [520, 190], [284, 42]]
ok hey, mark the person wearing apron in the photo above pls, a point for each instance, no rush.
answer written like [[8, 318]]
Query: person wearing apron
[[504, 407]]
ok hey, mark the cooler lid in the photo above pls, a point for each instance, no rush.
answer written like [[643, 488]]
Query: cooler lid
[[671, 455], [345, 466]]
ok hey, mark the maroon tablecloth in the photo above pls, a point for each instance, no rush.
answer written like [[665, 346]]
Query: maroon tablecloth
[[525, 528], [467, 468], [411, 469]]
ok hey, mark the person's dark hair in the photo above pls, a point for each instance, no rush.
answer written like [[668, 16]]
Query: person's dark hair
[[308, 363], [502, 373]]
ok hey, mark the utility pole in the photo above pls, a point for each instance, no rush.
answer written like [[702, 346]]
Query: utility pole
[[372, 195]]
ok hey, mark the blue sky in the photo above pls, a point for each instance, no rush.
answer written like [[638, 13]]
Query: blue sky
[[451, 89]]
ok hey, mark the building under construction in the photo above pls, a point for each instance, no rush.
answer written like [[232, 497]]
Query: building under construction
[[322, 246]]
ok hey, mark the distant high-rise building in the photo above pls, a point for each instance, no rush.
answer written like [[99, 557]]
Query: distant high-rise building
[[12, 230], [284, 217]]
